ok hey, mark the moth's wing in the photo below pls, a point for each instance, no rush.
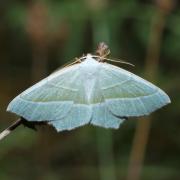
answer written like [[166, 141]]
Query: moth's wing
[[128, 95], [103, 117], [55, 99], [79, 115]]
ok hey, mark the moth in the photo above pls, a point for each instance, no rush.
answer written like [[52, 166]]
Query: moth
[[88, 91]]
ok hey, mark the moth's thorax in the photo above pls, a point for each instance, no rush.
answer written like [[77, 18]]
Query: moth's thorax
[[90, 65], [89, 61], [90, 68]]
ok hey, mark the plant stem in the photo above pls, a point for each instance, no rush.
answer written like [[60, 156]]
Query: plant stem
[[141, 136], [12, 127]]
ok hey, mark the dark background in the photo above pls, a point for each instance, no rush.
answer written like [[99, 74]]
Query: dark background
[[36, 37]]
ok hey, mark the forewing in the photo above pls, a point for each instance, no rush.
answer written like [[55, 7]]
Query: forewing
[[55, 98], [128, 95]]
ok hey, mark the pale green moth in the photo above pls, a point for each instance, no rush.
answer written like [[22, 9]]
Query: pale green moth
[[90, 91]]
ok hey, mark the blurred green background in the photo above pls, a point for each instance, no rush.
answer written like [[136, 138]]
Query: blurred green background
[[36, 37]]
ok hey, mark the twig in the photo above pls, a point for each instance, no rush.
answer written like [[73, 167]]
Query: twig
[[7, 131], [152, 62]]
